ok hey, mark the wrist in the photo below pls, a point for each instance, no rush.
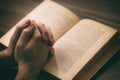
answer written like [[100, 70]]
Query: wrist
[[27, 72], [6, 60]]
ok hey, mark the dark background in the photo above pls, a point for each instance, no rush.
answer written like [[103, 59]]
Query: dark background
[[105, 11]]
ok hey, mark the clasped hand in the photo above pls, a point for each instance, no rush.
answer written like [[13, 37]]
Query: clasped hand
[[29, 47]]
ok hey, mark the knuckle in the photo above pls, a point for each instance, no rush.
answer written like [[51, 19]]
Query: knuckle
[[19, 46], [46, 33], [48, 27], [41, 24], [19, 27], [26, 30], [53, 41], [38, 37]]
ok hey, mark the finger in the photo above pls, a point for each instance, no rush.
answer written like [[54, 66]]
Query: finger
[[50, 36], [26, 35], [17, 33], [44, 32], [36, 38], [51, 51]]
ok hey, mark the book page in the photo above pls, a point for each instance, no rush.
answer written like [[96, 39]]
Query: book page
[[58, 18], [77, 47]]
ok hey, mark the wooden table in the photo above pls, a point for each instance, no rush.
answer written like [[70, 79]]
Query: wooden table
[[105, 11]]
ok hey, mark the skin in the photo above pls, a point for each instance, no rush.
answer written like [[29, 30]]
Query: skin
[[29, 48], [7, 55]]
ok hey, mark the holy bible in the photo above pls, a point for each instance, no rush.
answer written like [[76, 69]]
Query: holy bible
[[82, 46]]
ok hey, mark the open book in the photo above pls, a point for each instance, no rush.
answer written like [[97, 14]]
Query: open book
[[82, 46]]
